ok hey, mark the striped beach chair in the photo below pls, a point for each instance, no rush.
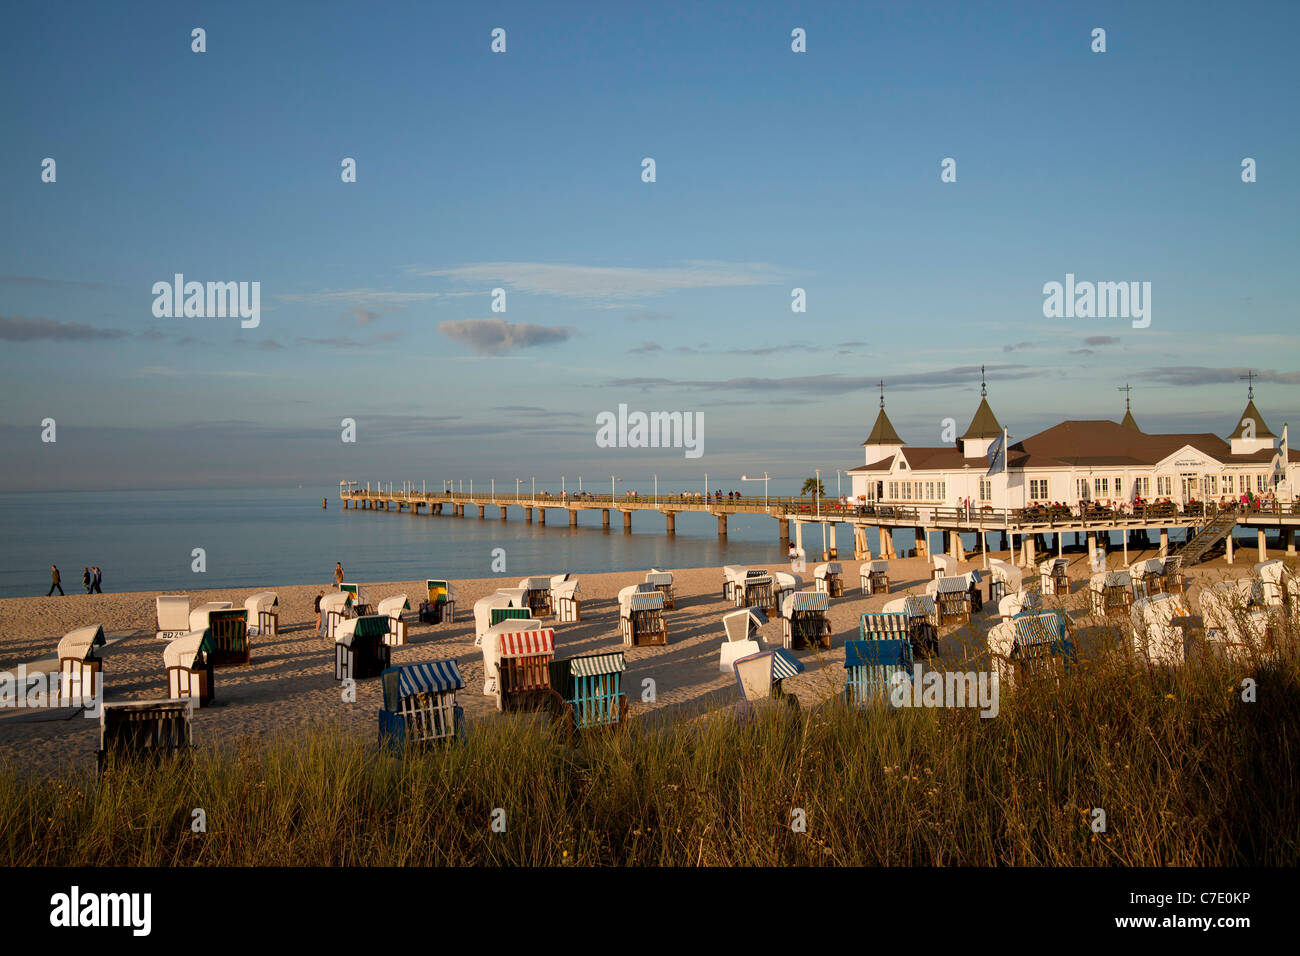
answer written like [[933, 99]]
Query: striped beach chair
[[420, 704], [188, 662], [662, 581], [641, 617], [491, 648], [755, 590], [900, 625], [874, 576], [874, 667], [439, 607], [263, 613], [81, 680], [1026, 599], [144, 729], [392, 608], [760, 675], [230, 644], [804, 622], [829, 578], [951, 598], [741, 628], [523, 670], [1030, 646], [173, 616], [359, 648], [564, 598], [1004, 578], [590, 688]]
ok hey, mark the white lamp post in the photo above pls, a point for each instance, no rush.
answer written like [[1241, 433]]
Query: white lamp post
[[764, 480]]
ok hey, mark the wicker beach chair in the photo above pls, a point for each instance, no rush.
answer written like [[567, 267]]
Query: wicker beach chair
[[952, 599], [359, 648], [263, 613], [1004, 578], [483, 607], [173, 616], [1026, 599], [392, 608], [759, 677], [201, 615], [662, 581], [1172, 578], [829, 577], [1147, 576], [362, 602], [523, 670], [491, 648], [874, 668], [190, 674], [641, 617], [334, 610], [81, 678], [942, 566], [564, 598], [143, 729], [874, 577], [439, 607], [1236, 628], [1054, 578], [537, 595], [1159, 634], [419, 704], [785, 583], [1030, 646], [1110, 593], [731, 575], [590, 690], [804, 622], [230, 644], [755, 590]]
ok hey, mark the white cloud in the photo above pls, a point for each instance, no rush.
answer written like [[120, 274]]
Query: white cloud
[[612, 282]]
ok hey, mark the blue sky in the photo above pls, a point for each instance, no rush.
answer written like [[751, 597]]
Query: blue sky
[[522, 171]]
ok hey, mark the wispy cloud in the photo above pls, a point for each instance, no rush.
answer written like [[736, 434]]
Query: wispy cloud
[[1101, 340], [19, 329], [613, 282], [361, 298], [1201, 375], [959, 376], [492, 336], [645, 315], [59, 283]]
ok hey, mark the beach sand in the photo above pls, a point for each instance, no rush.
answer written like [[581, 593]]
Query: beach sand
[[290, 682]]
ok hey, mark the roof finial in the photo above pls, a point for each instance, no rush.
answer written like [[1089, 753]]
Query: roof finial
[[1126, 388], [1250, 389], [882, 394], [984, 390]]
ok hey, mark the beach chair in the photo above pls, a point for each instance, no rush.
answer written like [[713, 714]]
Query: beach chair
[[523, 670], [785, 583], [755, 590], [874, 576], [392, 608], [1026, 599], [334, 610], [229, 631], [741, 628], [1030, 646], [942, 566], [731, 574], [923, 621], [1234, 627], [973, 585], [1276, 583], [144, 729], [641, 618], [1158, 629], [1054, 578], [1147, 576], [173, 616], [662, 581], [263, 613], [760, 676], [1172, 578], [81, 679], [491, 648], [537, 595], [564, 598], [875, 667], [359, 648], [483, 607], [440, 605], [361, 600], [419, 704], [829, 577], [200, 616], [590, 691], [1004, 578], [951, 598], [1110, 593], [188, 662], [804, 622]]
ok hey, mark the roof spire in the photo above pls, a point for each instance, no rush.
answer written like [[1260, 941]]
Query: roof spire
[[1249, 377]]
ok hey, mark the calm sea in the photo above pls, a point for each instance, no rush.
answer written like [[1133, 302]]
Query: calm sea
[[144, 540]]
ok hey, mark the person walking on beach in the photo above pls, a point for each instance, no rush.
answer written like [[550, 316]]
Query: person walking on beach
[[96, 577], [338, 574], [54, 580], [85, 579]]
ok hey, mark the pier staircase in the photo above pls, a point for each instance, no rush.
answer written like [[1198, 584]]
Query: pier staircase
[[1207, 538]]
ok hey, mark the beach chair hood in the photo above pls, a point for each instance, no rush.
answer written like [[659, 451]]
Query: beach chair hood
[[184, 651], [758, 672], [429, 677], [393, 606], [173, 612], [80, 643], [369, 626], [740, 624]]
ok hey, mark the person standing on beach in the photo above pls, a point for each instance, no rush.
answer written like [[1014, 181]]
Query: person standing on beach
[[54, 580], [96, 578], [338, 574], [85, 579]]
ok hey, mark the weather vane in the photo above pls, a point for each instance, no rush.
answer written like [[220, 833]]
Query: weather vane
[[882, 394], [1250, 389], [983, 388], [1126, 388]]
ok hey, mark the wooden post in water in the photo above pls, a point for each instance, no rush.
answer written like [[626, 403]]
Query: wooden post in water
[[670, 522]]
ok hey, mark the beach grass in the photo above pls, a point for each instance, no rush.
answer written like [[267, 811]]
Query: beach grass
[[1185, 770]]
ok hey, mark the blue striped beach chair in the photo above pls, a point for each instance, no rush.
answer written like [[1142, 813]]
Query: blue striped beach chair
[[591, 689], [873, 666], [641, 617], [420, 704], [952, 598], [1031, 645], [803, 620], [662, 581], [760, 675]]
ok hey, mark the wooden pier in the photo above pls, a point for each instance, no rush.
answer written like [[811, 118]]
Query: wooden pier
[[1030, 526]]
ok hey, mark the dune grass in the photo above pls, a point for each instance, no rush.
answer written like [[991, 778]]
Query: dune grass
[[1185, 770]]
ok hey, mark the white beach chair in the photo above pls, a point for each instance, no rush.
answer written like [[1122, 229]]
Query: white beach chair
[[874, 577], [190, 673], [784, 583], [1026, 599], [1273, 577], [483, 607], [732, 574], [335, 608], [199, 616], [1110, 593], [173, 615], [392, 608], [829, 577], [1234, 627], [641, 617], [759, 677], [537, 594], [491, 647], [1155, 635], [564, 598], [662, 581], [263, 613], [741, 628], [80, 668], [1006, 577], [952, 598], [1033, 643], [1147, 577], [803, 620], [1054, 578], [943, 566], [359, 648]]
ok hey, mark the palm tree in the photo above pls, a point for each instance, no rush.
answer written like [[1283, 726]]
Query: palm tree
[[812, 486]]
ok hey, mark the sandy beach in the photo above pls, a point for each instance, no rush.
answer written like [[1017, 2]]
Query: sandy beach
[[290, 682]]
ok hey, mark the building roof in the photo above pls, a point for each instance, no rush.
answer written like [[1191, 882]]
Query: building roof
[[1129, 421], [883, 432], [883, 465], [1252, 414], [984, 424]]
